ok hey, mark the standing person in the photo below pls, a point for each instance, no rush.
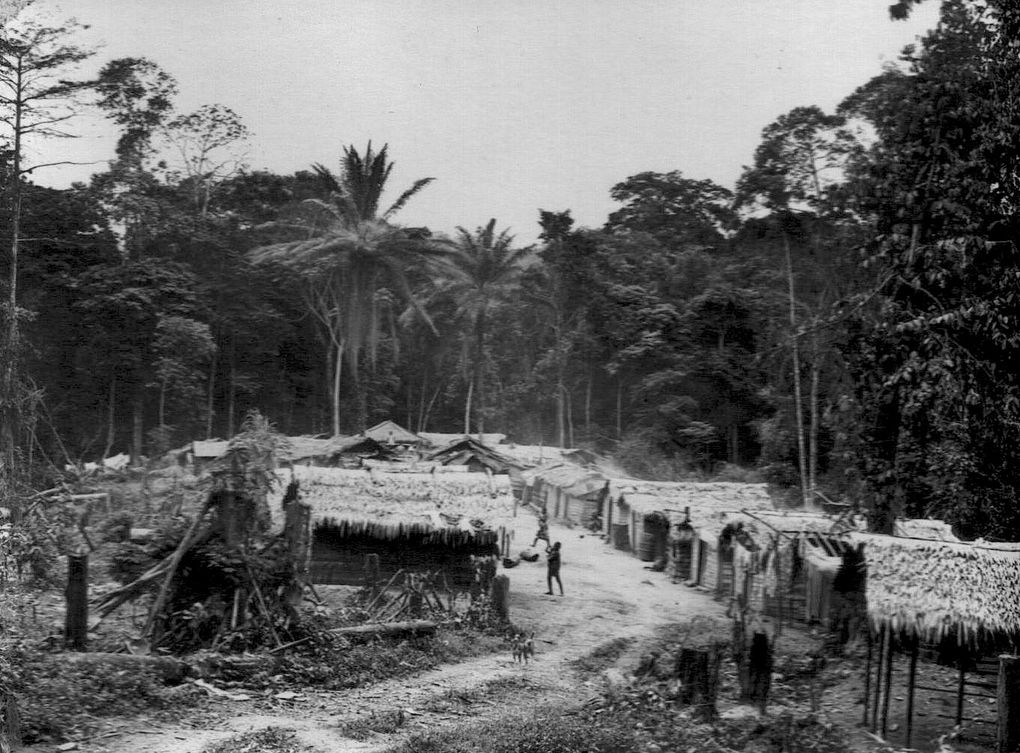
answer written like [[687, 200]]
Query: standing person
[[543, 530], [553, 563]]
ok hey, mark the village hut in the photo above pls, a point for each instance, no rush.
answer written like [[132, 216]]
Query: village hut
[[474, 456], [955, 602], [566, 492], [416, 522], [203, 453], [437, 440], [392, 434]]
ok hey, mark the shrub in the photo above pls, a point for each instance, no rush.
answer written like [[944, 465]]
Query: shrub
[[58, 699]]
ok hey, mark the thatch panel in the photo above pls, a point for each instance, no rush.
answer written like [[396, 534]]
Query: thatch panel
[[935, 588]]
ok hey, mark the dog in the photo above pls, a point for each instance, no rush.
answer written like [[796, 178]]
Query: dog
[[522, 648]]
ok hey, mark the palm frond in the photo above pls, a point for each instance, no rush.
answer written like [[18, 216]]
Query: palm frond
[[406, 196]]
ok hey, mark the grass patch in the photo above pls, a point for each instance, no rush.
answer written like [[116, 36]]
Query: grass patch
[[268, 740], [58, 700], [603, 655], [458, 698], [383, 723], [547, 731], [337, 665]]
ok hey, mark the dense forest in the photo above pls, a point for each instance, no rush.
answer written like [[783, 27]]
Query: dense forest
[[844, 320]]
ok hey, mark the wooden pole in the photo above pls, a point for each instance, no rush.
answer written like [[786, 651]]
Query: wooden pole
[[867, 674], [501, 597], [911, 681], [1009, 704], [76, 621], [960, 687], [888, 679], [878, 678]]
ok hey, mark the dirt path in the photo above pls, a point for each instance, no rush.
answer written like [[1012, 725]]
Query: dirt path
[[609, 595]]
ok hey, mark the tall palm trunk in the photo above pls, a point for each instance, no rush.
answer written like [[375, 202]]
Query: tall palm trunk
[[335, 392], [479, 372]]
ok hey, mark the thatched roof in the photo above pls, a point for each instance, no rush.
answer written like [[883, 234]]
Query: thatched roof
[[389, 505], [467, 450], [938, 588], [388, 432], [443, 439], [937, 530]]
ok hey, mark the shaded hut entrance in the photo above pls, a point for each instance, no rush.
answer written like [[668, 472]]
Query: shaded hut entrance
[[338, 554]]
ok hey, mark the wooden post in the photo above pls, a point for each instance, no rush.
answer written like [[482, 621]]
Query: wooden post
[[1009, 704], [888, 680], [911, 680], [960, 687], [501, 597], [760, 670], [76, 620], [372, 573], [867, 675], [878, 677]]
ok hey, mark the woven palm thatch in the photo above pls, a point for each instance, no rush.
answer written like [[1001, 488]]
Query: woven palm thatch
[[398, 506], [935, 589]]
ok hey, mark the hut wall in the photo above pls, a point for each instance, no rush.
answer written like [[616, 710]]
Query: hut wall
[[709, 558], [338, 560], [581, 511]]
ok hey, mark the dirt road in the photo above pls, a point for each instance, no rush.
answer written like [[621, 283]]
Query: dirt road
[[609, 595]]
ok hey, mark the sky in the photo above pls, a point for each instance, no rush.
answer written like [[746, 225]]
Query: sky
[[512, 106]]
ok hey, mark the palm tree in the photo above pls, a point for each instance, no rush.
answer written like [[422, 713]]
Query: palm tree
[[478, 275], [353, 263]]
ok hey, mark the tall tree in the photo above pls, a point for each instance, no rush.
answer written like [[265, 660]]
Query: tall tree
[[933, 409], [478, 275], [349, 255], [37, 98], [798, 169]]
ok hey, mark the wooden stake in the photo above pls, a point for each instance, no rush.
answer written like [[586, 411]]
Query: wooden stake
[[76, 620], [911, 681], [888, 680], [867, 675], [878, 678], [1009, 704], [960, 687]]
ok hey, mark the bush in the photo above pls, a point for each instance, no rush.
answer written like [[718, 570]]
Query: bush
[[116, 528], [58, 700]]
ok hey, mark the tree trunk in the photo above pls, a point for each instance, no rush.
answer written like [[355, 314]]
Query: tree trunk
[[798, 407], [501, 597], [335, 394], [570, 419], [111, 428], [467, 407], [210, 402], [813, 425], [587, 406], [619, 408], [8, 385], [10, 722], [76, 619], [137, 426], [232, 389], [162, 403], [479, 373]]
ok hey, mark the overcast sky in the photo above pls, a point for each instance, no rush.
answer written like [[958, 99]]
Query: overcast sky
[[512, 106]]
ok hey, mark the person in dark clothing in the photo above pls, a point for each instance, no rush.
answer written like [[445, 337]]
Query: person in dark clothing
[[553, 563]]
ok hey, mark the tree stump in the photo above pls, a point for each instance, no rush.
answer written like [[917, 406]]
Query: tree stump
[[1009, 704], [501, 597], [759, 672], [76, 620], [698, 672]]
